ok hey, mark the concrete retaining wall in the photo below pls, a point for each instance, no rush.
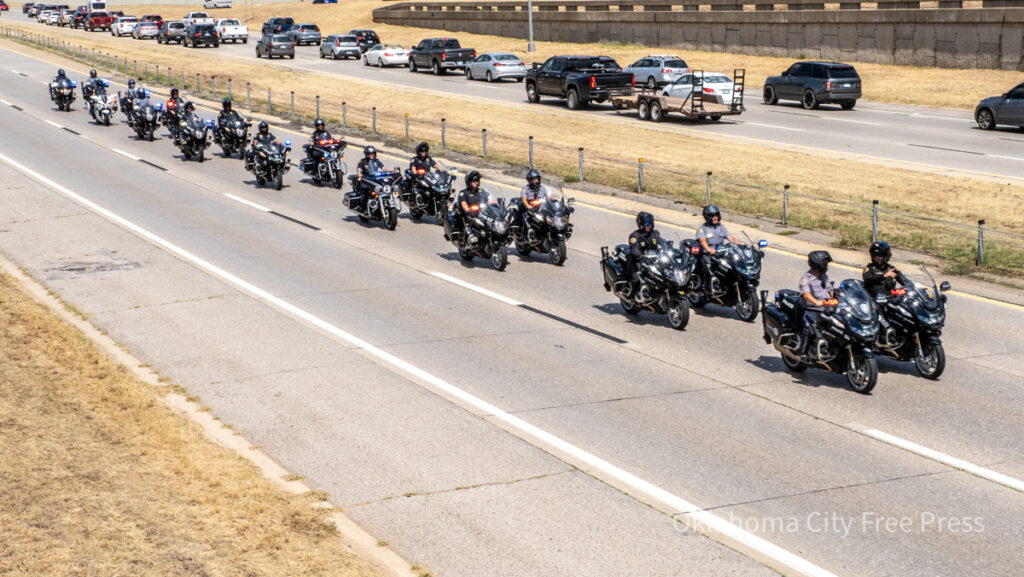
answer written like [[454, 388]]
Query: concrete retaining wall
[[948, 38]]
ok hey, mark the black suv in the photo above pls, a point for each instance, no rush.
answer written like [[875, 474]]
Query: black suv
[[277, 26], [201, 35], [367, 39], [814, 83]]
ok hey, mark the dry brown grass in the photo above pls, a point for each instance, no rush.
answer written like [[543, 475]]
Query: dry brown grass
[[98, 477]]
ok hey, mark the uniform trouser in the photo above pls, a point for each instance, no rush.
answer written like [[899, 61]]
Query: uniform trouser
[[809, 319]]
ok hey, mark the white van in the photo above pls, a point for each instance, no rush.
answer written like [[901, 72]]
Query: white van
[[97, 6], [216, 3]]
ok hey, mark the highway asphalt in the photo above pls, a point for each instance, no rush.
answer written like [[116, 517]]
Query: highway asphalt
[[939, 140], [479, 437]]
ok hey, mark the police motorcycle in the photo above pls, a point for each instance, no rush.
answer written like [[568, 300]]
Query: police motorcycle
[[62, 93], [843, 336], [323, 162], [915, 315], [193, 137], [665, 273], [734, 273], [377, 197], [488, 231], [428, 191], [144, 119], [270, 163], [547, 228], [231, 134], [101, 104]]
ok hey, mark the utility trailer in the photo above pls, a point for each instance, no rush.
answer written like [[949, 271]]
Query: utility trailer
[[654, 106]]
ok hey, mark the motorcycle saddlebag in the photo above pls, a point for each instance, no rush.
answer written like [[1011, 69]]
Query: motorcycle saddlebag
[[352, 200], [611, 268], [452, 231], [775, 322]]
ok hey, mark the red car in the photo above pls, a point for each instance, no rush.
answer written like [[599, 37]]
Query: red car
[[97, 21], [158, 19], [3, 6]]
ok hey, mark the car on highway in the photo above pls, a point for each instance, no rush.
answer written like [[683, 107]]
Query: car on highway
[[1007, 108], [814, 83], [305, 34], [54, 18], [78, 20], [383, 55], [233, 30], [43, 15], [201, 35], [277, 26], [155, 18], [3, 6], [97, 21], [658, 70], [439, 55], [171, 31], [216, 3], [579, 79], [367, 38], [491, 66], [123, 25], [272, 45], [145, 30], [194, 18], [717, 87], [340, 46]]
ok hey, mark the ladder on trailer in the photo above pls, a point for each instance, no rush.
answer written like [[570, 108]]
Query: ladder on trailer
[[739, 78], [696, 90]]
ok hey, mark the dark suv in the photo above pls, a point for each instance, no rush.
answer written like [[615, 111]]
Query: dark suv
[[367, 39], [201, 35], [814, 83], [277, 26]]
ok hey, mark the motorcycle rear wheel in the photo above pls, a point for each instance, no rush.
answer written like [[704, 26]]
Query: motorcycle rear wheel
[[416, 213], [862, 374], [390, 218], [678, 314], [931, 364], [793, 365], [629, 307], [557, 254], [465, 254], [522, 248], [748, 306], [499, 258]]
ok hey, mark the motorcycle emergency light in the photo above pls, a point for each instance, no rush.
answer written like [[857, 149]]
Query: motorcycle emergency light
[[421, 171], [287, 142], [694, 249], [831, 302], [898, 292], [762, 243], [474, 208]]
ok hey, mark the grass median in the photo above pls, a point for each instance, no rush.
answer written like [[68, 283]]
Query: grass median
[[675, 161]]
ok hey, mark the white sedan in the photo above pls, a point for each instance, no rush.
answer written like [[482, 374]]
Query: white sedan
[[717, 87], [386, 55]]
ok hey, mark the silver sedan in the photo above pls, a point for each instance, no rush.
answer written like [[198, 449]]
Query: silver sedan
[[493, 66], [145, 30]]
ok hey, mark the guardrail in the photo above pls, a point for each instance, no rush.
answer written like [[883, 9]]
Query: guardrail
[[695, 5], [852, 224]]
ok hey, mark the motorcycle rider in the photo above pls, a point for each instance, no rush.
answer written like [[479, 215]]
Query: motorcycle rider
[[90, 84], [174, 104], [641, 240], [711, 235], [880, 277], [367, 165], [61, 79], [226, 113], [319, 133], [815, 288], [422, 160], [262, 137], [472, 196], [533, 190]]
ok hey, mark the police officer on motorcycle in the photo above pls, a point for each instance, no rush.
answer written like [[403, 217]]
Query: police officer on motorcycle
[[319, 133], [262, 137], [533, 190], [815, 288], [711, 235], [226, 113], [422, 160], [171, 111], [880, 277], [641, 240], [60, 80], [472, 196], [90, 84]]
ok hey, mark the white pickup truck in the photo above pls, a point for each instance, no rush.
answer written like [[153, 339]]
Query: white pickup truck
[[233, 30], [197, 18]]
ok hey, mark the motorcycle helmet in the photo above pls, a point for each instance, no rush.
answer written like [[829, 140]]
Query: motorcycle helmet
[[533, 179], [131, 84], [92, 73], [880, 248], [645, 221], [368, 151], [472, 177], [61, 73], [189, 107], [818, 261], [174, 93], [422, 149], [263, 128], [710, 211], [318, 125], [226, 105]]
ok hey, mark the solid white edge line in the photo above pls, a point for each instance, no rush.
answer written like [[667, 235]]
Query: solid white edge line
[[989, 474], [5, 102], [123, 153], [747, 122], [247, 202], [1016, 158], [594, 463], [52, 123], [475, 288]]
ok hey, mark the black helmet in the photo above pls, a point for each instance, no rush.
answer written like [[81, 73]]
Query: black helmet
[[368, 151], [532, 176], [60, 73], [92, 73], [422, 147], [263, 128], [131, 83], [880, 248], [818, 260], [710, 211], [471, 177], [318, 124], [189, 107], [645, 221], [174, 93], [226, 104]]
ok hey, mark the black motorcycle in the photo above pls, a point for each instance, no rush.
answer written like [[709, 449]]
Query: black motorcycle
[[127, 106], [193, 137], [231, 135], [735, 272], [270, 163], [323, 162], [546, 228], [376, 197], [63, 94], [144, 118], [843, 336], [171, 117], [665, 275], [915, 316], [428, 191], [487, 235]]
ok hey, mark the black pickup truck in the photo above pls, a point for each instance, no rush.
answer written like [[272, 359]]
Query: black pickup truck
[[578, 79], [439, 54]]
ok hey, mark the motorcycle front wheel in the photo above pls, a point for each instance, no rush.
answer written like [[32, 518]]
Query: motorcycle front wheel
[[202, 154], [522, 247], [678, 314], [862, 374], [556, 251], [931, 361], [337, 179], [499, 258], [390, 218], [278, 180], [748, 306]]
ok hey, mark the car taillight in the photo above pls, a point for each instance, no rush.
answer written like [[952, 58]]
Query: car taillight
[[388, 54], [666, 70], [593, 82], [708, 90], [474, 54], [443, 56], [828, 86], [633, 79]]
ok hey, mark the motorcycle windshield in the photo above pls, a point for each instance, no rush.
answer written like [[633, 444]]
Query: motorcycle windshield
[[924, 302], [854, 299], [437, 176], [746, 259]]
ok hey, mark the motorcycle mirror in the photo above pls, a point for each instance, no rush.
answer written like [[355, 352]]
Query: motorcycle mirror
[[945, 286], [572, 201]]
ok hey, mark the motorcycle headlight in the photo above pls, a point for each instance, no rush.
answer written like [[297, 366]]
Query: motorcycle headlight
[[334, 154], [386, 189], [927, 318], [679, 276], [558, 222], [500, 227]]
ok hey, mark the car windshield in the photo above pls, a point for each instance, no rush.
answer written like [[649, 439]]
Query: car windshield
[[310, 28], [583, 63], [843, 72], [506, 57], [229, 23], [675, 64], [147, 25], [717, 79], [178, 25], [281, 38]]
